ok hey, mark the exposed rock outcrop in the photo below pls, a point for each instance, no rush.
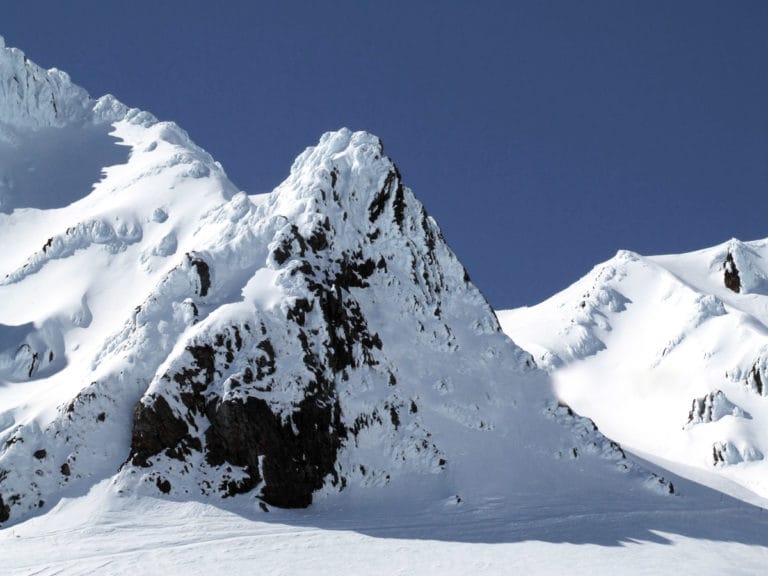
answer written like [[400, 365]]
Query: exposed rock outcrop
[[727, 453], [713, 407], [731, 274]]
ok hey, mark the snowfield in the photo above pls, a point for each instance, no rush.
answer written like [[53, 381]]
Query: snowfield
[[195, 380], [703, 533]]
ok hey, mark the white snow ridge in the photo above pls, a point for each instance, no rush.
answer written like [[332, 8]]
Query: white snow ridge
[[198, 380]]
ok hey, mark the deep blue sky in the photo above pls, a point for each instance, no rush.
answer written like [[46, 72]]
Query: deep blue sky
[[543, 136]]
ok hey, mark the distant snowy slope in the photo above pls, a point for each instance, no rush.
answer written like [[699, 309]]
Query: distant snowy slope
[[668, 354]]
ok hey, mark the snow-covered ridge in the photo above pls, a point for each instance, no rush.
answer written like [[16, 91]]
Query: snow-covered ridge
[[32, 97], [640, 343]]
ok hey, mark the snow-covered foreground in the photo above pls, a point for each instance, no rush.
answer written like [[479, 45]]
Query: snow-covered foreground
[[701, 533]]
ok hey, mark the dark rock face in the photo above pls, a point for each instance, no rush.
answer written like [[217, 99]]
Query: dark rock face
[[163, 485], [291, 455], [5, 511], [292, 458], [288, 452], [155, 428], [203, 273], [392, 186], [718, 449], [755, 380], [731, 277]]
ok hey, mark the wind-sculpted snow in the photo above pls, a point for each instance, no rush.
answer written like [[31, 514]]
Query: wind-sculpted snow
[[754, 375], [345, 240], [33, 98], [178, 359], [320, 337], [114, 237], [727, 453], [54, 139], [587, 439]]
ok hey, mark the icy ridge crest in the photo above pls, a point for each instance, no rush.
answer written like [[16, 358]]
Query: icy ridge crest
[[32, 97]]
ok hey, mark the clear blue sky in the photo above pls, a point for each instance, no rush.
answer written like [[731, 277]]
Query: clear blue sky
[[543, 136]]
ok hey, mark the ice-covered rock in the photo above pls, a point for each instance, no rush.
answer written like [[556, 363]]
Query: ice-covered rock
[[713, 407], [34, 98], [727, 454], [753, 374]]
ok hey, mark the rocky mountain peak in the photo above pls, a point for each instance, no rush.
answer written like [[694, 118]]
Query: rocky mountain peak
[[346, 176], [204, 342]]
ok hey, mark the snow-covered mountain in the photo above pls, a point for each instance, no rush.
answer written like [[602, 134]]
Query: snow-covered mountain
[[183, 365], [669, 356], [161, 329]]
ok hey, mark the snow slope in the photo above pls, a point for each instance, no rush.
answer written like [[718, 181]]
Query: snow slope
[[597, 533], [667, 354], [198, 379]]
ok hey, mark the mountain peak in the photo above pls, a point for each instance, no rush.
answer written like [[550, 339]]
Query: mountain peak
[[340, 152], [32, 97], [346, 181], [206, 342]]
